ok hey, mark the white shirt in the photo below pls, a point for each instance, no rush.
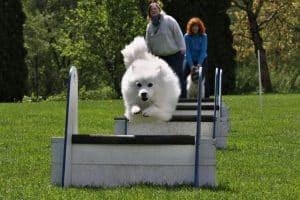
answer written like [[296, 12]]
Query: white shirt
[[166, 39]]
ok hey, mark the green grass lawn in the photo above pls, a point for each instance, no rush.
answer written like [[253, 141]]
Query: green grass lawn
[[262, 160]]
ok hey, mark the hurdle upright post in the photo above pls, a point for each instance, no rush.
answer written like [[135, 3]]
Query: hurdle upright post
[[198, 130], [215, 100], [71, 125], [220, 93]]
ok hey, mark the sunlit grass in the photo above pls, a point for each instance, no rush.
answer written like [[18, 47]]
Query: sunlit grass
[[262, 160]]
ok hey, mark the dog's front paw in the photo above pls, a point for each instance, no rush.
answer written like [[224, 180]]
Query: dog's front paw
[[135, 110], [148, 112]]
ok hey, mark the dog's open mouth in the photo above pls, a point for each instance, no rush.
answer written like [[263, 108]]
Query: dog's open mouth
[[144, 98]]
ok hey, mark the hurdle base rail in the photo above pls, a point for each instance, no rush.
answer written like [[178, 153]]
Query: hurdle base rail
[[125, 160]]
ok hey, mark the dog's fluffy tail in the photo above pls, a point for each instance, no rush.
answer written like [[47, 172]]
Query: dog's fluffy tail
[[135, 50]]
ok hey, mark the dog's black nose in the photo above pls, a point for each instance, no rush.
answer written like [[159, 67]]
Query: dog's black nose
[[144, 96]]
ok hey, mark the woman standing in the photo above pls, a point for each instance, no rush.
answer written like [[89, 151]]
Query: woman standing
[[165, 39], [196, 51]]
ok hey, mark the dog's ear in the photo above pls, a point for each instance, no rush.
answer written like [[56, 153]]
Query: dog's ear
[[132, 68], [158, 69]]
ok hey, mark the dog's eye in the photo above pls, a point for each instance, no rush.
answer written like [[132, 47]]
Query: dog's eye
[[150, 84], [138, 84]]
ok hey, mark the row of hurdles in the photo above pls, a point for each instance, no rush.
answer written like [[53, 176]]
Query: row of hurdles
[[180, 151]]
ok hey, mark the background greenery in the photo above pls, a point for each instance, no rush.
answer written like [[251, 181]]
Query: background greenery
[[262, 160], [90, 34], [279, 27], [87, 34]]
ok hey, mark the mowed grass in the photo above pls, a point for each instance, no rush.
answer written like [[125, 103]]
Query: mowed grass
[[262, 160]]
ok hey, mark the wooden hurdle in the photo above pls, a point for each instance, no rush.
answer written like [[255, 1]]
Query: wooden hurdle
[[214, 119], [118, 160]]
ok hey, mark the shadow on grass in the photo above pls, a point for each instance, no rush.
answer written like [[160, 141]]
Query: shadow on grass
[[230, 148], [222, 187]]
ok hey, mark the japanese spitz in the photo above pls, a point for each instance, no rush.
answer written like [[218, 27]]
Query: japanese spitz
[[150, 88]]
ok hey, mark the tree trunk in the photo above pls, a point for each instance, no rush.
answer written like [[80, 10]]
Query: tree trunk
[[265, 75], [258, 44]]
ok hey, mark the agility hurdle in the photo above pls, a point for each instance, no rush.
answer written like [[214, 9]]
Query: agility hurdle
[[208, 103], [183, 122], [214, 123], [178, 125], [106, 161], [212, 106]]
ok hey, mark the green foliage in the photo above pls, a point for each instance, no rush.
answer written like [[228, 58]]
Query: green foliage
[[103, 93], [87, 34], [281, 37], [47, 70], [81, 41], [57, 97], [13, 70], [124, 22], [246, 77], [261, 161], [90, 35]]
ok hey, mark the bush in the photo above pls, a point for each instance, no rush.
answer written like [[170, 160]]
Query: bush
[[246, 78], [285, 77], [297, 84], [102, 93], [32, 98], [57, 97], [285, 81]]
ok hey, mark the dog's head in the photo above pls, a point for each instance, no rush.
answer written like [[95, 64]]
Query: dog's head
[[145, 89], [145, 79]]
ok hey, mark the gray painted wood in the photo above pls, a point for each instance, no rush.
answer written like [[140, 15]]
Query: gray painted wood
[[105, 165]]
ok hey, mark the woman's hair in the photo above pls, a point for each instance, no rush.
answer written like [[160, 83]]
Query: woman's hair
[[153, 4], [195, 21]]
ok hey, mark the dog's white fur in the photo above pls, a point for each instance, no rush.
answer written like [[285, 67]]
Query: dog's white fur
[[149, 86]]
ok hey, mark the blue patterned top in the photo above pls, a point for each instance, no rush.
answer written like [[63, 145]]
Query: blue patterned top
[[196, 48]]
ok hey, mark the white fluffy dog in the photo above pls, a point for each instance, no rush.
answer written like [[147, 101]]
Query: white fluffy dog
[[150, 88]]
